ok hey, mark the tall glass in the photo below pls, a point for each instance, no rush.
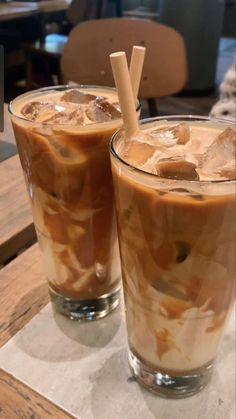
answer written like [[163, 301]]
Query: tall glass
[[68, 176], [177, 248]]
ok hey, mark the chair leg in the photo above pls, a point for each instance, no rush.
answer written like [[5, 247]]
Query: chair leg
[[101, 6], [91, 9], [28, 70], [119, 8], [48, 72], [152, 107]]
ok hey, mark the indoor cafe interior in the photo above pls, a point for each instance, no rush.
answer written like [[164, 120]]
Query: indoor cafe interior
[[35, 33]]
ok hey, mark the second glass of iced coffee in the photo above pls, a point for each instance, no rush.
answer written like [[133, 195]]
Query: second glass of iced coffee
[[175, 196], [62, 134], [174, 182]]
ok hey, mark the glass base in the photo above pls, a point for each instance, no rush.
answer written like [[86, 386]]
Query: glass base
[[166, 385], [85, 310]]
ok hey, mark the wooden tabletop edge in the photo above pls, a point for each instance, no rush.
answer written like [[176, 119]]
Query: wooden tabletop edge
[[15, 396]]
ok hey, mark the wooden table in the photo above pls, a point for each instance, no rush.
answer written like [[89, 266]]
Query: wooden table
[[23, 294], [17, 10], [16, 225], [20, 280], [16, 399]]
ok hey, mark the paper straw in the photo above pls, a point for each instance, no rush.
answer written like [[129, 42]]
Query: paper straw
[[136, 67], [125, 92]]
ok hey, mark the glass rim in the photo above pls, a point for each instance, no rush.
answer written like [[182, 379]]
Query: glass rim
[[63, 87], [156, 176]]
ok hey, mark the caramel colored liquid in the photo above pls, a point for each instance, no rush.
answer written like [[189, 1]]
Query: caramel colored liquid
[[67, 171], [177, 245]]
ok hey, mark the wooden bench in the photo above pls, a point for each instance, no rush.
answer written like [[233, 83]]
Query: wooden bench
[[16, 224]]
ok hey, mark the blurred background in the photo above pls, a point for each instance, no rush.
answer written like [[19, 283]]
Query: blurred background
[[34, 35]]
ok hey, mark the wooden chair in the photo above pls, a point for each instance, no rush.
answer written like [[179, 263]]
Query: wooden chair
[[48, 53], [49, 47], [85, 58]]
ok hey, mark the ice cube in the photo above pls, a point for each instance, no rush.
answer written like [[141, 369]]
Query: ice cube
[[169, 136], [76, 96], [54, 113], [32, 109], [228, 171], [182, 133], [219, 159], [108, 108], [178, 169], [117, 106], [137, 153], [73, 115], [100, 110]]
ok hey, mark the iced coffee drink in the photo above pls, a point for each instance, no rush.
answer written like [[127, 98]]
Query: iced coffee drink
[[175, 196], [62, 136]]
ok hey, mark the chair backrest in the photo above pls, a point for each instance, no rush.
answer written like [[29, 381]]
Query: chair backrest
[[85, 58]]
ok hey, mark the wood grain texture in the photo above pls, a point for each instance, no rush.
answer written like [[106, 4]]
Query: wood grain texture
[[165, 65], [16, 223], [19, 401], [23, 292], [52, 6], [16, 9]]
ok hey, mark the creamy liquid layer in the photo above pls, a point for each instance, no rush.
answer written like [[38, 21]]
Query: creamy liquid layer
[[67, 168], [177, 241]]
